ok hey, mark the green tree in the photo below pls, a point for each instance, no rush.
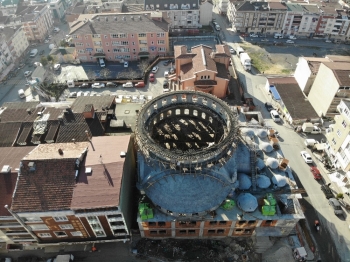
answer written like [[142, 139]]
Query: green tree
[[53, 89], [43, 61]]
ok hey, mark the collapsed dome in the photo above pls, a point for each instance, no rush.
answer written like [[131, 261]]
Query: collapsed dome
[[186, 143]]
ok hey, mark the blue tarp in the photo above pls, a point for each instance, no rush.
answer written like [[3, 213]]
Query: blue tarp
[[275, 93]]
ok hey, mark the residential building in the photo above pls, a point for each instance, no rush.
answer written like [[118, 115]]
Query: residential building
[[83, 196], [5, 55], [330, 86], [202, 69], [37, 21], [11, 231], [205, 12], [138, 36], [257, 17], [73, 13], [179, 14], [222, 6], [197, 172], [285, 94], [58, 8], [338, 137], [16, 40]]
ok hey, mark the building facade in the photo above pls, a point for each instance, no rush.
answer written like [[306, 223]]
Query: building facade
[[138, 36], [5, 55], [206, 13], [37, 22], [16, 40], [58, 8]]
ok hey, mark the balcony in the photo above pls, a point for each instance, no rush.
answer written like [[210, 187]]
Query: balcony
[[10, 225], [115, 219]]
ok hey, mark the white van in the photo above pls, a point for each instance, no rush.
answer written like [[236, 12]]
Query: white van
[[21, 93], [102, 63], [275, 116]]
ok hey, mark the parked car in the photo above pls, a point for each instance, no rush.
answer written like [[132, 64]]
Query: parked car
[[56, 67], [128, 84], [277, 43], [275, 116], [21, 93], [41, 52], [140, 84], [264, 40], [232, 51], [36, 64], [93, 93], [155, 69], [86, 93], [166, 62], [289, 42], [46, 41], [166, 74], [253, 35], [84, 85], [80, 93], [244, 34], [327, 191], [268, 106], [307, 158], [111, 84], [292, 37], [166, 84], [334, 203], [72, 95], [98, 85], [27, 73], [56, 29], [151, 77], [315, 172], [126, 64], [49, 37], [328, 41]]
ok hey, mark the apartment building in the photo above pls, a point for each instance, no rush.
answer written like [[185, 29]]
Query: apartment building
[[58, 8], [257, 17], [222, 6], [179, 14], [206, 13], [37, 21], [120, 37], [330, 86], [338, 26], [338, 137], [5, 55], [16, 40], [202, 69], [76, 192]]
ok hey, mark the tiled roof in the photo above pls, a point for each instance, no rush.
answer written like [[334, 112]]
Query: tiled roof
[[222, 71], [52, 132], [187, 71], [8, 133], [165, 4], [99, 103], [10, 156], [341, 72], [25, 134], [20, 105], [222, 50], [50, 186], [180, 50], [202, 60], [293, 98], [338, 58], [102, 187], [126, 23], [20, 115], [72, 127]]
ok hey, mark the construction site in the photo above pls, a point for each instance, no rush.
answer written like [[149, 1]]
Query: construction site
[[207, 170]]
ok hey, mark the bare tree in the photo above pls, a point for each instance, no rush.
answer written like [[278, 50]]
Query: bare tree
[[91, 75], [143, 65], [105, 73], [53, 89], [128, 74]]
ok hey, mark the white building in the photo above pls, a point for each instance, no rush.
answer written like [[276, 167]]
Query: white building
[[57, 8], [222, 5], [16, 40], [206, 13]]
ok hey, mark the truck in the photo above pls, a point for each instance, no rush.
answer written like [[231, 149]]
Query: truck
[[33, 53], [310, 128], [239, 50], [245, 61]]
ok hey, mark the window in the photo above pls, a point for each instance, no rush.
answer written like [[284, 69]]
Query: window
[[334, 142], [115, 43], [191, 231], [143, 42], [44, 235], [96, 36], [152, 232], [162, 232], [247, 231], [143, 49], [60, 234], [220, 231], [344, 124], [338, 133], [133, 43], [76, 234], [66, 226], [222, 222], [114, 36], [142, 35], [211, 231], [241, 222], [96, 226], [152, 223], [59, 219], [32, 219], [183, 231], [161, 49], [107, 44], [161, 42], [251, 222], [39, 227], [160, 34], [161, 224], [125, 43], [212, 222], [79, 44]]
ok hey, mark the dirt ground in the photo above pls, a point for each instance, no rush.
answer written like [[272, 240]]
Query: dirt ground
[[226, 250], [270, 63]]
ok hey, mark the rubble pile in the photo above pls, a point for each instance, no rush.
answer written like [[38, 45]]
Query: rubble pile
[[228, 249]]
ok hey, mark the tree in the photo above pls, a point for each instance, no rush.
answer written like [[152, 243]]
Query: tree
[[91, 75], [143, 65], [53, 89], [43, 61], [128, 74], [105, 73]]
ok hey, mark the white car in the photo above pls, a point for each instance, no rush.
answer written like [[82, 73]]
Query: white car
[[253, 35], [289, 42], [27, 73], [149, 98], [128, 84], [155, 69], [292, 37], [56, 30], [264, 40], [232, 51], [98, 85], [49, 37], [72, 95], [166, 74], [307, 158], [275, 116], [328, 41], [80, 93], [86, 93], [46, 41], [56, 67], [93, 93], [126, 64], [135, 99], [36, 64]]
